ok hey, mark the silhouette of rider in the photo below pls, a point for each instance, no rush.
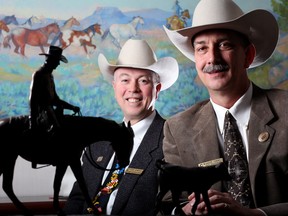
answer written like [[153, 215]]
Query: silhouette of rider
[[46, 108]]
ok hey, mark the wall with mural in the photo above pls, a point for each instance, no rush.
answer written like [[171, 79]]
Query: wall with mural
[[28, 27]]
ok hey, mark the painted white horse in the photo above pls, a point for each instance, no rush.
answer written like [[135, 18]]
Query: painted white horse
[[32, 22], [123, 31]]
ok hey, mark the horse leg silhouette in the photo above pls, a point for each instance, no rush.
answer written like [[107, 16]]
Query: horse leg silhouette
[[206, 200], [197, 200], [7, 185], [77, 171], [59, 174]]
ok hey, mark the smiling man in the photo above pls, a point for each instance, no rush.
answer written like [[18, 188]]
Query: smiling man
[[137, 79]]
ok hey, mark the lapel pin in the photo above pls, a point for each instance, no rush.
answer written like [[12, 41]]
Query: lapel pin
[[134, 171], [99, 159], [211, 162], [264, 136]]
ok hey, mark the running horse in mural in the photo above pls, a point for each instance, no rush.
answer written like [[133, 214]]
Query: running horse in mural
[[60, 150], [67, 25], [34, 37], [31, 22], [123, 31], [81, 38], [3, 26], [10, 22]]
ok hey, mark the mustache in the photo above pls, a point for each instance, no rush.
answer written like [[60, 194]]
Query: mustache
[[215, 67]]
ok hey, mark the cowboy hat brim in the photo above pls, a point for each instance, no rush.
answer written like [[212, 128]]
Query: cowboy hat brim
[[166, 67], [259, 26], [62, 58]]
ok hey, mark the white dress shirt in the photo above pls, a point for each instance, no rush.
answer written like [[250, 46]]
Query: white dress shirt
[[139, 129], [241, 112]]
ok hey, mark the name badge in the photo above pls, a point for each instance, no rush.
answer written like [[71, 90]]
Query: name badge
[[211, 162], [134, 171]]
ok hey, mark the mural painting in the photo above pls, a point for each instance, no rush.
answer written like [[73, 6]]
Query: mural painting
[[103, 28]]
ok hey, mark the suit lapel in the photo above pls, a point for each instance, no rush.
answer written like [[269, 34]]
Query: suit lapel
[[261, 115], [102, 152], [204, 137], [141, 161]]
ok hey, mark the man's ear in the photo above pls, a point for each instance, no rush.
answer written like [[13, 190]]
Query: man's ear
[[250, 55]]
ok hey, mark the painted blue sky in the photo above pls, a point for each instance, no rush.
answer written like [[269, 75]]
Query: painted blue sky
[[64, 9]]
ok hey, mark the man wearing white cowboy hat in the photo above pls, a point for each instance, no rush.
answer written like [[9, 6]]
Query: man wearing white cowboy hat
[[224, 42], [43, 96], [137, 78]]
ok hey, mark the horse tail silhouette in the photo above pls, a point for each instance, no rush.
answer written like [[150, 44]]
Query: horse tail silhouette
[[6, 41], [106, 32]]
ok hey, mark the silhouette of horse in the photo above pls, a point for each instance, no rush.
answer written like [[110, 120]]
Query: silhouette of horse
[[80, 38], [62, 150], [34, 37], [195, 179], [123, 31], [174, 22], [67, 25]]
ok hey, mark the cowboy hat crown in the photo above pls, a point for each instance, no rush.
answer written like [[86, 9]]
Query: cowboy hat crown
[[259, 26], [55, 52], [138, 54]]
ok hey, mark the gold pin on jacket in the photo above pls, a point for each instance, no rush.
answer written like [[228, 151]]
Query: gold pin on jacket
[[263, 137]]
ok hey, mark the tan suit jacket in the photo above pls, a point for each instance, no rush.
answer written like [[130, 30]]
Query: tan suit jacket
[[190, 138]]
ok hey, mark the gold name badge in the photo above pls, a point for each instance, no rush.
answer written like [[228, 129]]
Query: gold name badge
[[134, 171], [211, 162]]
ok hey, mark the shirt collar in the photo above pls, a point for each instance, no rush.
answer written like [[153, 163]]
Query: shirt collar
[[240, 110], [141, 127]]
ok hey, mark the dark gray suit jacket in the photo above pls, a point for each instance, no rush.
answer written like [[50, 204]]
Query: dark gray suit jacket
[[191, 138], [137, 193]]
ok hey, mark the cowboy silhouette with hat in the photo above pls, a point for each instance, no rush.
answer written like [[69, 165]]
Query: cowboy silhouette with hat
[[46, 107]]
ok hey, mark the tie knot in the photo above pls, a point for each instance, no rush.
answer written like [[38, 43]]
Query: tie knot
[[228, 121], [228, 116]]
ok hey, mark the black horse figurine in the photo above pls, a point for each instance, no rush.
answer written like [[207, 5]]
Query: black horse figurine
[[190, 179], [62, 150]]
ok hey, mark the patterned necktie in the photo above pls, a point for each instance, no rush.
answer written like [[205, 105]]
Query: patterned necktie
[[235, 155], [112, 181]]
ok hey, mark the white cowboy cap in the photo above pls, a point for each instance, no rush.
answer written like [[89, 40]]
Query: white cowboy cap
[[260, 26], [55, 52], [138, 54]]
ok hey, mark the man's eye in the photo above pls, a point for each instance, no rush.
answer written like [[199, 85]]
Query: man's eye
[[200, 49], [225, 46]]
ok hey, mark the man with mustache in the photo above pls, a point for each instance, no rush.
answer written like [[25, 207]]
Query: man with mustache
[[224, 42]]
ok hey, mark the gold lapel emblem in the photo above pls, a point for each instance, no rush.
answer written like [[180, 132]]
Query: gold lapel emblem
[[135, 171], [263, 137]]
